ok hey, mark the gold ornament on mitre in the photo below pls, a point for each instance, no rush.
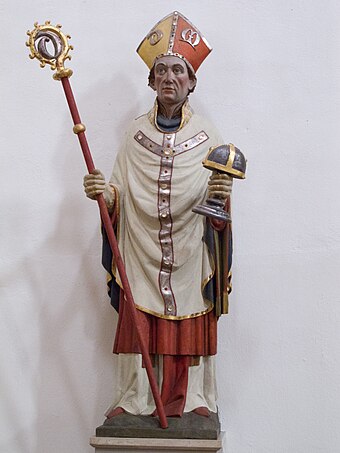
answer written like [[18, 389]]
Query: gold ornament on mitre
[[174, 35]]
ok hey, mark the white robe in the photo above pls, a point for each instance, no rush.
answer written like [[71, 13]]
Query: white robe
[[161, 242]]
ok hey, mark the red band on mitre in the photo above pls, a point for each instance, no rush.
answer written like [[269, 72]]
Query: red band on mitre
[[190, 44]]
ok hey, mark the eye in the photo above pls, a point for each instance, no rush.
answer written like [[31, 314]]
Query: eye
[[160, 70], [178, 70]]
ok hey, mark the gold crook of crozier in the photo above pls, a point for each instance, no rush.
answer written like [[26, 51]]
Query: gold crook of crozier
[[40, 37]]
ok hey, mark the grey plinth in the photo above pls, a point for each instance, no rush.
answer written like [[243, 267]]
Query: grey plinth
[[130, 445], [189, 426]]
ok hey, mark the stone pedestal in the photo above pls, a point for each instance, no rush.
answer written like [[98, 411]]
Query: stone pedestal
[[189, 426], [138, 445]]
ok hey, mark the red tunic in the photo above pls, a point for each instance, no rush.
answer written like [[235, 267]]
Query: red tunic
[[192, 336]]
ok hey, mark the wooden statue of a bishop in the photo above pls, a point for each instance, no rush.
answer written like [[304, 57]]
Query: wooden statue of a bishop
[[177, 262]]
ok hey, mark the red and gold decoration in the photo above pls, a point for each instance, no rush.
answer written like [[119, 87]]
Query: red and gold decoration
[[174, 35], [42, 40]]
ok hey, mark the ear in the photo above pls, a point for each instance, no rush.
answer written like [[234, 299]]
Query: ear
[[152, 84], [192, 83]]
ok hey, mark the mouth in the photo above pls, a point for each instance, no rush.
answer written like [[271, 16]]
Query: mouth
[[168, 89]]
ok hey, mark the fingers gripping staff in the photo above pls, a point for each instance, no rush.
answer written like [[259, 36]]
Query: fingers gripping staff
[[43, 40]]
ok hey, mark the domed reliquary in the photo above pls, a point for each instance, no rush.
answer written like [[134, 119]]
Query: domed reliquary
[[223, 159]]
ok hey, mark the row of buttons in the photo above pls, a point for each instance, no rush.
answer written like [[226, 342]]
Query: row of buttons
[[164, 189]]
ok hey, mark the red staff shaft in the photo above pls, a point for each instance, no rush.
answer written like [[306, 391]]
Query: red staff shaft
[[114, 247]]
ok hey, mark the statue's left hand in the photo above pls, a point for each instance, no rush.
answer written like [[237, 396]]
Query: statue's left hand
[[219, 185]]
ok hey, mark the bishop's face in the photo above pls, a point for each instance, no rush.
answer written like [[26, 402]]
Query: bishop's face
[[172, 81]]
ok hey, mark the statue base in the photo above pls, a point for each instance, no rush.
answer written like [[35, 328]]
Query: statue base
[[131, 445], [189, 426]]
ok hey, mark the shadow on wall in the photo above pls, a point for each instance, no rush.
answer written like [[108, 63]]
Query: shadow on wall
[[72, 380]]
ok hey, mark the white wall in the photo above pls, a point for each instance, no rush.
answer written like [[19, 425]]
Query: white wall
[[272, 86]]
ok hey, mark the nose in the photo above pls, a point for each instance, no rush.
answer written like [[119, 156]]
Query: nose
[[169, 75]]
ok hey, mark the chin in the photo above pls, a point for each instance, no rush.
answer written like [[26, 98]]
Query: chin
[[168, 98]]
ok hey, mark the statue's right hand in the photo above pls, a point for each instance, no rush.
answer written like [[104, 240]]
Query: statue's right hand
[[94, 184]]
